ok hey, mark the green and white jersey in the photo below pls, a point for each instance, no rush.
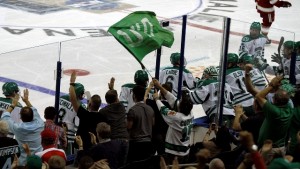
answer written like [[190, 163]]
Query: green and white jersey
[[171, 74], [255, 47], [207, 95], [180, 126], [126, 96], [235, 78], [273, 70], [15, 114], [69, 116], [258, 80]]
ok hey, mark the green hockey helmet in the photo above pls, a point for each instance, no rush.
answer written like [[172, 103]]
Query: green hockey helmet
[[255, 25], [289, 44], [232, 58], [211, 71], [245, 58], [140, 77], [79, 89], [10, 88], [175, 58]]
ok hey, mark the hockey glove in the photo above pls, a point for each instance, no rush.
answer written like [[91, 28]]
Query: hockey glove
[[284, 4], [276, 58]]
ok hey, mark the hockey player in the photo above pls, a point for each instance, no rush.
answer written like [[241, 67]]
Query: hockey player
[[10, 89], [285, 59], [267, 12], [235, 78], [207, 95], [254, 44], [140, 78], [257, 77], [67, 116], [171, 74], [288, 49]]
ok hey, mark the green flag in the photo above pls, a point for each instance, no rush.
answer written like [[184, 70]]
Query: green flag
[[140, 33]]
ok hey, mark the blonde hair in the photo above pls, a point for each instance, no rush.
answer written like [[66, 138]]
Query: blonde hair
[[3, 127]]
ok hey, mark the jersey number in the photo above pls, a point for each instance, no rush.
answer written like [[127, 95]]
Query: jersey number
[[240, 83], [186, 131]]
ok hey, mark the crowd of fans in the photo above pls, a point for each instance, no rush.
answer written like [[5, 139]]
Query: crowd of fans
[[147, 126]]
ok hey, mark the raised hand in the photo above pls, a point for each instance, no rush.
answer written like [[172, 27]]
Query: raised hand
[[93, 138], [73, 77], [276, 58], [111, 83], [25, 96]]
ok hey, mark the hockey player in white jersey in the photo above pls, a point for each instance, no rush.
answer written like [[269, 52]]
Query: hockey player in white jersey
[[69, 117], [235, 78], [257, 78], [285, 59], [10, 89], [254, 44], [140, 78], [171, 74], [207, 95]]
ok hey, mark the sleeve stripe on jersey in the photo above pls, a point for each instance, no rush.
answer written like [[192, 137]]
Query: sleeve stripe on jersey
[[239, 95], [196, 100], [258, 79], [164, 110], [176, 147], [239, 101], [209, 111]]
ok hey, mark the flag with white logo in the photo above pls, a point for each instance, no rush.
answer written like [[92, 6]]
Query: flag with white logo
[[140, 33]]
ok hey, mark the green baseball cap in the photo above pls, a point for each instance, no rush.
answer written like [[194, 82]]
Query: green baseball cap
[[281, 163]]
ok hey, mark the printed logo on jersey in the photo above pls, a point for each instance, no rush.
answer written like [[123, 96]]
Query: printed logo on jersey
[[171, 113]]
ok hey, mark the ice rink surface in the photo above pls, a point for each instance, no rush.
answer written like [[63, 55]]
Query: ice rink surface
[[31, 31]]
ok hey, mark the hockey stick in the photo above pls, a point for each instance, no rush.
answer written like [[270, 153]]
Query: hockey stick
[[279, 48], [265, 76]]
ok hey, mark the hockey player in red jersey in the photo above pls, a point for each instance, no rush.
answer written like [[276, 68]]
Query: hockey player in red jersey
[[267, 12]]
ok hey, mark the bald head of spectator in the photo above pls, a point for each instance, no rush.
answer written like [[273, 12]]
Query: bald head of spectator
[[57, 162], [3, 128], [26, 114], [216, 164], [111, 96], [281, 97]]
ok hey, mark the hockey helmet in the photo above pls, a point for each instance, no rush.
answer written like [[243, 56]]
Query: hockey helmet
[[140, 77], [289, 44], [255, 25], [245, 58], [10, 88], [79, 89], [232, 58], [211, 71], [175, 58]]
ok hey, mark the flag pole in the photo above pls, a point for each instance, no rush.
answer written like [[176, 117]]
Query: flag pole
[[183, 32]]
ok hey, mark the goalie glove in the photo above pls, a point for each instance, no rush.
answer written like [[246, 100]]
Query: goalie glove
[[284, 4]]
